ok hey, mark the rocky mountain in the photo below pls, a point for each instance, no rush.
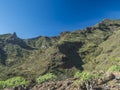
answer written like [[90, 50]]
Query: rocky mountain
[[94, 48]]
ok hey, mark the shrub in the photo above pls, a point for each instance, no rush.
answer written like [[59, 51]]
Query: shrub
[[46, 77], [84, 76], [114, 68], [13, 82], [77, 75], [2, 84], [86, 79]]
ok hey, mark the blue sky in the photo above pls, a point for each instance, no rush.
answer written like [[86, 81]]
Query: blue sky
[[31, 18]]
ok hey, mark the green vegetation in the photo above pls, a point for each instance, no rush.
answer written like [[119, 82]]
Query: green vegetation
[[46, 77], [117, 59], [114, 68], [13, 82], [81, 50], [86, 76]]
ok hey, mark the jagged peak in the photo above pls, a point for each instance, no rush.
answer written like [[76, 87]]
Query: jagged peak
[[14, 36], [9, 35]]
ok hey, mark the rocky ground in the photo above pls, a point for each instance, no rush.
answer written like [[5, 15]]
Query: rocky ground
[[111, 81]]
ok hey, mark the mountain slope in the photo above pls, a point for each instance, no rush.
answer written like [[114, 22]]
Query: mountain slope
[[62, 55]]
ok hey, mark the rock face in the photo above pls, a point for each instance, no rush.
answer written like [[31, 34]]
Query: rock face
[[59, 85]]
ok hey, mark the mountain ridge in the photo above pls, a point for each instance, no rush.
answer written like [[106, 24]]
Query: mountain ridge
[[62, 55]]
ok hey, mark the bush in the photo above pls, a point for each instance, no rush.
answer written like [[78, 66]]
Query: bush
[[86, 79], [114, 68], [2, 84], [86, 76], [46, 77], [16, 81], [13, 82], [77, 75]]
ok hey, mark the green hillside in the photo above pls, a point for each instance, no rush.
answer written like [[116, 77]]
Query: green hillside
[[93, 48]]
